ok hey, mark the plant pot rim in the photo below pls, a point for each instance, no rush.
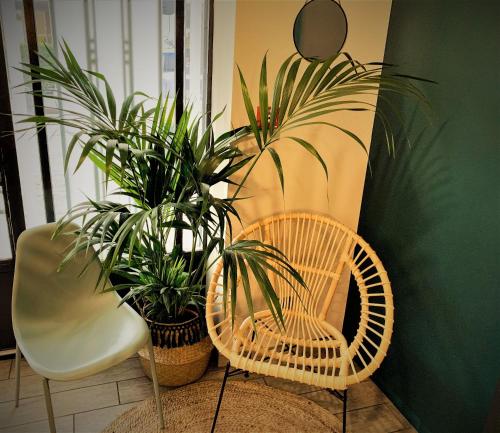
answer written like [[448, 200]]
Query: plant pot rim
[[195, 314]]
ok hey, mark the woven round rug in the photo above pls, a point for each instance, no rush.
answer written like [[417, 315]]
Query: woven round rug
[[246, 408]]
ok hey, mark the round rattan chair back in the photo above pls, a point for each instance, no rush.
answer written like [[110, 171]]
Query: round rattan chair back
[[310, 349]]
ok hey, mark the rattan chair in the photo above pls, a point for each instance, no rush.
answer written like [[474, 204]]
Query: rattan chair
[[309, 350], [64, 329]]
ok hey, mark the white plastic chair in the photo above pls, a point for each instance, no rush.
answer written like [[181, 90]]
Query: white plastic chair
[[66, 329]]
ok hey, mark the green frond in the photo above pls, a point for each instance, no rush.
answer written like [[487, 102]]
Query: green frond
[[166, 167]]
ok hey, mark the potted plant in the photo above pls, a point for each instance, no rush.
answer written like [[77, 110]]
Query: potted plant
[[172, 308], [164, 172]]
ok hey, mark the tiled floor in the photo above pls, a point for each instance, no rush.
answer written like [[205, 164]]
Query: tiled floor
[[88, 405]]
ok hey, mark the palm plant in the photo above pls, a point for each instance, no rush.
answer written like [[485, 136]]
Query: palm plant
[[163, 297], [166, 170]]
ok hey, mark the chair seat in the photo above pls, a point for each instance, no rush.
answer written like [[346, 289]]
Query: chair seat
[[86, 345], [309, 349]]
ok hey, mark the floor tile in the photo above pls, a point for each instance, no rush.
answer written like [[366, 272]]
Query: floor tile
[[84, 399], [25, 369], [5, 368], [88, 405], [96, 420], [361, 395], [129, 369], [68, 402], [30, 386], [288, 385], [29, 410], [374, 419], [326, 400], [136, 389], [406, 424], [64, 424]]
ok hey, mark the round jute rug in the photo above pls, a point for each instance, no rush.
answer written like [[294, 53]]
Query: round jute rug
[[246, 408]]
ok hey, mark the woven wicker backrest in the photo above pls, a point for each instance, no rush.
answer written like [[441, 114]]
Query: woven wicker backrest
[[317, 247]]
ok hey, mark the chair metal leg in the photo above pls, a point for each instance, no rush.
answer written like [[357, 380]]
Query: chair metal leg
[[18, 373], [342, 396], [156, 387], [226, 374], [48, 404]]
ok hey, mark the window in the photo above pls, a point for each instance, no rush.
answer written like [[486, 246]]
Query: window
[[133, 43]]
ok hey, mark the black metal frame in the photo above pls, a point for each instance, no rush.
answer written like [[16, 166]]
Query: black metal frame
[[300, 12], [179, 57], [179, 85], [210, 58], [29, 19], [179, 73], [9, 171], [341, 395], [12, 196]]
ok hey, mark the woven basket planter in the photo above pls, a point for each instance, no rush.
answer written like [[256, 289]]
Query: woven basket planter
[[181, 357]]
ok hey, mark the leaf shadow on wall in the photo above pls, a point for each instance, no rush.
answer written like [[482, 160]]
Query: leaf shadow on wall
[[407, 203]]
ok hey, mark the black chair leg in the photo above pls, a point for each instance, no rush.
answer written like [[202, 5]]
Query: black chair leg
[[342, 396], [214, 422]]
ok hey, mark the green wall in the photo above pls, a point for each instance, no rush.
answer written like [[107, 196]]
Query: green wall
[[432, 214]]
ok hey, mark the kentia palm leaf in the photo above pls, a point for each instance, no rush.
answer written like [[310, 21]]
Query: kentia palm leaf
[[300, 97], [166, 169]]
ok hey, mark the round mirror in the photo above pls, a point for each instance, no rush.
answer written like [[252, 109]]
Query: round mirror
[[320, 29]]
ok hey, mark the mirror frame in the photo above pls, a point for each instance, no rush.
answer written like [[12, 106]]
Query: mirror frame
[[310, 59]]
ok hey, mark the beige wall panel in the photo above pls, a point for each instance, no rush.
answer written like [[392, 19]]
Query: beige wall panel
[[266, 26]]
